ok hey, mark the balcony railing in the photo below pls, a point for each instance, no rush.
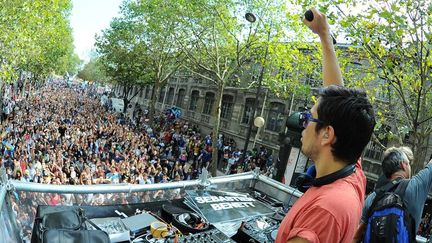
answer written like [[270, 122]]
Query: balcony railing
[[205, 119]]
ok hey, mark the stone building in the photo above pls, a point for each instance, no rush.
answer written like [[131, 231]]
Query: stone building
[[195, 97]]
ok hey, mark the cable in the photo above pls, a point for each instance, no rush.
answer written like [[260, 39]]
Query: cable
[[149, 240], [141, 236], [289, 200]]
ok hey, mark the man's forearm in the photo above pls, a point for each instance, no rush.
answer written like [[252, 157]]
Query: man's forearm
[[332, 74]]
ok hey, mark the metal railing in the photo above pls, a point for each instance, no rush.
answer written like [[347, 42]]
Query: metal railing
[[20, 199], [12, 230]]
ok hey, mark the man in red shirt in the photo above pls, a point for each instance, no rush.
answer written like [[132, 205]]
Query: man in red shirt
[[337, 129]]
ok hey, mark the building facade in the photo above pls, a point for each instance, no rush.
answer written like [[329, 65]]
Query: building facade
[[196, 97]]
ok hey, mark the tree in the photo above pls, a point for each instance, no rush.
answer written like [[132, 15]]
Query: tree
[[144, 34], [392, 39], [35, 37], [33, 31], [220, 42], [396, 36], [123, 58], [155, 25], [69, 64], [93, 71], [53, 41]]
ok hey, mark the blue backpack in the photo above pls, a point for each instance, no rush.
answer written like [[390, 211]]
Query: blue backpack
[[388, 219]]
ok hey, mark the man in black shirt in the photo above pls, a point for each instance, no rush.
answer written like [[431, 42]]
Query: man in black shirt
[[62, 130]]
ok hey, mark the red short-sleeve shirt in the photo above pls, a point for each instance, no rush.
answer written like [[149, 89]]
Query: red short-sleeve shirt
[[330, 213]]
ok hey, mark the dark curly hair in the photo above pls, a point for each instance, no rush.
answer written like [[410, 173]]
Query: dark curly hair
[[352, 117]]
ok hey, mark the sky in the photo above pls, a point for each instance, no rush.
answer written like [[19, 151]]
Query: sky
[[90, 17]]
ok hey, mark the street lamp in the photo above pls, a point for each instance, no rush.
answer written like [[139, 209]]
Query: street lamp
[[252, 18], [258, 122]]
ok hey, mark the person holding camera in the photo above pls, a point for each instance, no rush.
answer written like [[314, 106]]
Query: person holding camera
[[336, 131]]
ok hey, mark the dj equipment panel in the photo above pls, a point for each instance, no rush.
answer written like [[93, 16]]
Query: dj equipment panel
[[173, 221], [261, 229], [211, 236]]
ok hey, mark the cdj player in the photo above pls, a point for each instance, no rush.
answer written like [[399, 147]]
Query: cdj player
[[260, 229]]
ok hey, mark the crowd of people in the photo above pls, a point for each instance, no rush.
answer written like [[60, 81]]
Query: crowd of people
[[65, 136]]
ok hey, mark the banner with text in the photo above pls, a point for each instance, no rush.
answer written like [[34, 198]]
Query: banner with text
[[221, 206]]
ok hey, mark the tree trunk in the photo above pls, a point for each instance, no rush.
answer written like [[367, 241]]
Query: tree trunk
[[216, 114], [421, 138], [152, 108], [1, 100], [125, 98], [419, 150], [23, 87], [125, 105], [33, 83]]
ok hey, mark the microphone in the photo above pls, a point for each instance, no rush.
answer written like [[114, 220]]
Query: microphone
[[309, 16]]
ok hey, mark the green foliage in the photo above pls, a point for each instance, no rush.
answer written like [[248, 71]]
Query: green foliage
[[297, 65], [392, 46], [93, 71], [121, 55], [140, 47], [387, 54], [35, 37]]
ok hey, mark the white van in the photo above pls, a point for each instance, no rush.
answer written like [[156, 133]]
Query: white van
[[117, 104]]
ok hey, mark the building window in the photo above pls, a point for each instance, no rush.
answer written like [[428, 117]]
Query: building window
[[366, 165], [248, 108], [208, 103], [170, 97], [276, 116], [373, 151], [194, 100], [376, 169], [161, 95], [227, 106], [180, 98]]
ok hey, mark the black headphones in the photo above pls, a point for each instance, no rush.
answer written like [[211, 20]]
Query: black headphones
[[190, 219], [305, 181], [189, 222], [327, 179]]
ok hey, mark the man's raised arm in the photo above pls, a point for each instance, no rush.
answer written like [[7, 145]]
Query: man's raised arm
[[331, 70]]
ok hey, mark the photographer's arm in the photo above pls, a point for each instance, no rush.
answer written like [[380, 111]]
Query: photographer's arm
[[358, 237], [332, 74]]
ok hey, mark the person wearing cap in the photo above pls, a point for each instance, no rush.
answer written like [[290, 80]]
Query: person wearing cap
[[336, 130]]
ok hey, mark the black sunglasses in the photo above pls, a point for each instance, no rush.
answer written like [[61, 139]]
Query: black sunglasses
[[306, 117]]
